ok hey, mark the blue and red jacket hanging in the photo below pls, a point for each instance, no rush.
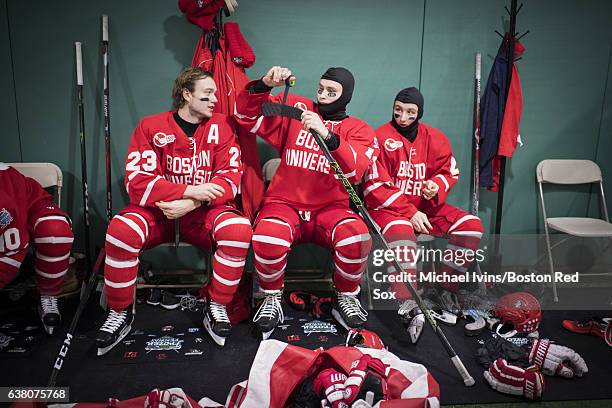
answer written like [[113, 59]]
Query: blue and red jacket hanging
[[500, 116]]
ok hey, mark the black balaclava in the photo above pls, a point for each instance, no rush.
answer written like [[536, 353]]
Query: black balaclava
[[409, 95], [337, 109]]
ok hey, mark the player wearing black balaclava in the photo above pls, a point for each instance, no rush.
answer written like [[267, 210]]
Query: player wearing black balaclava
[[336, 110], [408, 96], [417, 161], [305, 202]]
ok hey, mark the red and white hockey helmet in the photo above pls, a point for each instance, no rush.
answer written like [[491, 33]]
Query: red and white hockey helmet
[[364, 338], [521, 310]]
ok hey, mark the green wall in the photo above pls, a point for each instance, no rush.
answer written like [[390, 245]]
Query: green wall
[[11, 149], [387, 44]]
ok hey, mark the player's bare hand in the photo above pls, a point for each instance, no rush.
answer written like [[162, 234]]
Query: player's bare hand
[[276, 76], [204, 192], [430, 190], [312, 121], [177, 208], [420, 223]]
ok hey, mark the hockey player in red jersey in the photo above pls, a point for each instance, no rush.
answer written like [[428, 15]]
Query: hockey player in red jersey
[[182, 170], [406, 191], [28, 215], [305, 202]]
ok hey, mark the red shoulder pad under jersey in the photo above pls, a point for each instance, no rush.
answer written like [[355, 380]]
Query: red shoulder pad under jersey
[[20, 197], [441, 164], [144, 167], [25, 190], [270, 128]]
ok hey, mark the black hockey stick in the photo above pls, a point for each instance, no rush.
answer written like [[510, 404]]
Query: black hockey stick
[[274, 109], [476, 140], [106, 109], [79, 78], [63, 352]]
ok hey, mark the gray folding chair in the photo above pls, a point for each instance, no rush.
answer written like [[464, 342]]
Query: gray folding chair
[[572, 172], [47, 174]]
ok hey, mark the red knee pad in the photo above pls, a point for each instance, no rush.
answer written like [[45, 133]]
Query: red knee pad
[[52, 235], [350, 238], [272, 239], [126, 236], [232, 234], [467, 234]]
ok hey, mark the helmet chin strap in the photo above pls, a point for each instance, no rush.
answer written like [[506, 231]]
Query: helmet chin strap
[[205, 99]]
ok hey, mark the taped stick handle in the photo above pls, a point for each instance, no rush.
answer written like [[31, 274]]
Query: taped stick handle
[[79, 63], [104, 27]]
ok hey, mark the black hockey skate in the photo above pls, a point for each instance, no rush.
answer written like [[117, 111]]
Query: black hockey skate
[[216, 322], [49, 313], [270, 313], [347, 310], [114, 329], [413, 319]]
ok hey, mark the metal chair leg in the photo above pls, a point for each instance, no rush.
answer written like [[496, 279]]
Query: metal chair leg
[[552, 268]]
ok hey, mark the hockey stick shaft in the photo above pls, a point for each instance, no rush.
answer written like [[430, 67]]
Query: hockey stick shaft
[[106, 108], [63, 352], [270, 109], [363, 212], [79, 78], [476, 139]]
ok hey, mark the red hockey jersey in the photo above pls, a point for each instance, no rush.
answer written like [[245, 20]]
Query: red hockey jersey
[[408, 165], [162, 160], [279, 368], [304, 178], [20, 196]]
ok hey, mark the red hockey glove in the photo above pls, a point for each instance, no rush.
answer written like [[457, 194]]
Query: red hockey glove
[[513, 380], [366, 365], [330, 384]]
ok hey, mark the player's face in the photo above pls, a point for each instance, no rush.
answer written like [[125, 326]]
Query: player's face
[[203, 98], [404, 114], [329, 91]]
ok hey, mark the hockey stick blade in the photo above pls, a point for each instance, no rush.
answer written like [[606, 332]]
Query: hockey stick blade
[[276, 109]]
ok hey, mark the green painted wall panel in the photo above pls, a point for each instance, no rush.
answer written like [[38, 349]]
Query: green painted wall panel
[[10, 150], [388, 45]]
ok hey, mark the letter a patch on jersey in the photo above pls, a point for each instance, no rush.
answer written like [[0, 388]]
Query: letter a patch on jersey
[[5, 218], [213, 134]]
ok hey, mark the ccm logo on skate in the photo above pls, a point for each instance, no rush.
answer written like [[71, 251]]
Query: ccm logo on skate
[[392, 145], [161, 139]]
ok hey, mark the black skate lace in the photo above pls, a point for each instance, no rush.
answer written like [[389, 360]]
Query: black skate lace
[[113, 321], [219, 312], [270, 307], [350, 305], [49, 304]]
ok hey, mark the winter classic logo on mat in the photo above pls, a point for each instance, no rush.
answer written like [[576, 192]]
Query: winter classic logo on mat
[[317, 326], [608, 335], [164, 343], [161, 139], [392, 145]]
